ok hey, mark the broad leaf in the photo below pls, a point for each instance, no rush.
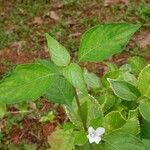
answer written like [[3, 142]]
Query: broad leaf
[[27, 82], [144, 109], [124, 90], [74, 74], [137, 64], [102, 41], [144, 81], [50, 65], [59, 54], [60, 91], [123, 141], [61, 140], [91, 79], [113, 121]]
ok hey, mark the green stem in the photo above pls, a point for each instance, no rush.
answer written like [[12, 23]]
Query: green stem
[[80, 111], [81, 115]]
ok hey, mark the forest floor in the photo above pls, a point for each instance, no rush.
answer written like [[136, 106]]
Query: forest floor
[[23, 24]]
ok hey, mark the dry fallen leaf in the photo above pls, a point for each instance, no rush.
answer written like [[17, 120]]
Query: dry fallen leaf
[[144, 40], [109, 2], [38, 20], [53, 15]]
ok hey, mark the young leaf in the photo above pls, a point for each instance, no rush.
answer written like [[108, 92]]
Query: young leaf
[[124, 90], [123, 141], [27, 82], [110, 74], [144, 109], [113, 121], [91, 79], [74, 74], [102, 41], [144, 81], [59, 54], [137, 64], [128, 77]]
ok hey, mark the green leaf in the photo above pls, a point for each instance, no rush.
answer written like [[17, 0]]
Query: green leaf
[[128, 77], [80, 138], [124, 90], [137, 64], [126, 68], [91, 79], [3, 110], [146, 143], [59, 54], [145, 127], [48, 117], [102, 41], [50, 65], [112, 75], [144, 109], [144, 81], [113, 121], [61, 140], [91, 109], [111, 66], [95, 114], [74, 74], [131, 126], [145, 134], [109, 101], [123, 141], [60, 91], [94, 147], [27, 82]]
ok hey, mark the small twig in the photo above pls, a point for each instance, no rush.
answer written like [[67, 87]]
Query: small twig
[[35, 136]]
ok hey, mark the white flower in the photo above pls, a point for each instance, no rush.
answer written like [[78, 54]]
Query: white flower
[[95, 135]]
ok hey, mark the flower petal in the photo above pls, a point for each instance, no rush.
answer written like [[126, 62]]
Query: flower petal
[[97, 139], [91, 140], [91, 130], [100, 131]]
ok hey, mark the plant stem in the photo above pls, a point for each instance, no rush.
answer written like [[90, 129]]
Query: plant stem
[[80, 111], [81, 115]]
